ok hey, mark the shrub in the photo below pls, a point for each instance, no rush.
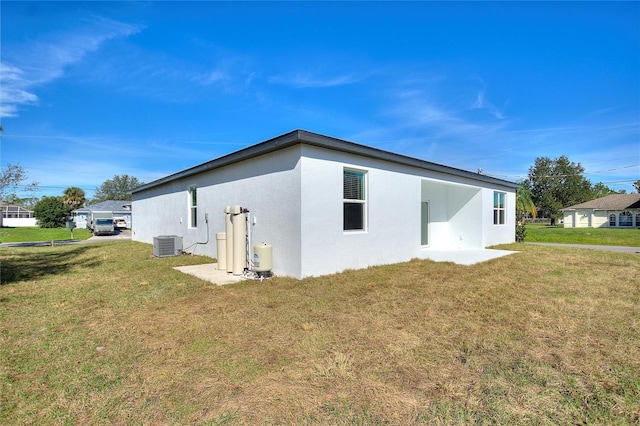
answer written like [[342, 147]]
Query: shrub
[[51, 212], [521, 233]]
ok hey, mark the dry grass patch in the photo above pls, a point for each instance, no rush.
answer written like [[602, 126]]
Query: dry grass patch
[[545, 336]]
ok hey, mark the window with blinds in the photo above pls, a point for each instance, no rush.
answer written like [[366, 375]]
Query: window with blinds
[[193, 206], [354, 200], [499, 208]]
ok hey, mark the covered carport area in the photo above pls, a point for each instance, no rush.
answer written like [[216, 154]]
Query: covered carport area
[[451, 216]]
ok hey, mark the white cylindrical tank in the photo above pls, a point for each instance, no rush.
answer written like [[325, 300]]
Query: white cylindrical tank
[[262, 257], [221, 243], [228, 226], [239, 243]]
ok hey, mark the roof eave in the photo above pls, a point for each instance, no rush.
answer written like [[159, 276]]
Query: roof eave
[[305, 137]]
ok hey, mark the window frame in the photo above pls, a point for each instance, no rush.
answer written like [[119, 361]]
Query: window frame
[[628, 219], [358, 198], [499, 208], [612, 220], [192, 203]]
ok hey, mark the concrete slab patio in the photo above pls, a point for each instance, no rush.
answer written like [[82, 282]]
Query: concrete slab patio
[[210, 272], [467, 257]]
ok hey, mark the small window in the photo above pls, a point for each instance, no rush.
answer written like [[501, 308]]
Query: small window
[[612, 219], [499, 208], [626, 219], [354, 200], [193, 206], [638, 219]]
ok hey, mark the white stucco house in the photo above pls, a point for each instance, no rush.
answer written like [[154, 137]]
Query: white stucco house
[[611, 211], [326, 205], [121, 209]]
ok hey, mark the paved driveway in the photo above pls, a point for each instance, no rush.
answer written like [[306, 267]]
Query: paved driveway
[[124, 234]]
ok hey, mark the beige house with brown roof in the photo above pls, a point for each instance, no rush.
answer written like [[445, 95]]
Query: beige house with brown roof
[[612, 211]]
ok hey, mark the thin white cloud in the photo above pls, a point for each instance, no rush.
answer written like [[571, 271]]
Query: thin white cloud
[[422, 111], [13, 91], [28, 66], [232, 74], [308, 80], [482, 103]]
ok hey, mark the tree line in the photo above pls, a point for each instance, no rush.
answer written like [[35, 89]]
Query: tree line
[[553, 184], [53, 211]]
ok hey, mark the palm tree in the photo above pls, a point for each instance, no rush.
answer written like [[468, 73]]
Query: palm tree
[[524, 204], [73, 197]]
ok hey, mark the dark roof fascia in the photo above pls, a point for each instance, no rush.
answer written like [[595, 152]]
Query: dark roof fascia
[[327, 142]]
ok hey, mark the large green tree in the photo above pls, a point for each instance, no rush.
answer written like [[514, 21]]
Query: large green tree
[[117, 188], [555, 184], [51, 212]]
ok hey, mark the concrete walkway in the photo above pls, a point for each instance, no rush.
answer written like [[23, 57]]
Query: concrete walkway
[[619, 249]]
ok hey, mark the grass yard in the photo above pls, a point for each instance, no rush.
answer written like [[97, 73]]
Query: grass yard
[[546, 336], [598, 236], [25, 234]]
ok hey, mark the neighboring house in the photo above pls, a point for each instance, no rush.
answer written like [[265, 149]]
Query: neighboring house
[[121, 210], [326, 205], [16, 216], [612, 211]]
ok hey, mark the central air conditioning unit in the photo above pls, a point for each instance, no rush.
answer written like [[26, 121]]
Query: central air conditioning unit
[[167, 245]]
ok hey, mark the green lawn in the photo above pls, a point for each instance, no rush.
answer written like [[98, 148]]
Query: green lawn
[[24, 234], [598, 236], [108, 334]]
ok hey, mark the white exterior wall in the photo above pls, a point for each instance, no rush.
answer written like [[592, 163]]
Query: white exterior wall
[[296, 197], [600, 219], [498, 234], [582, 218], [394, 195], [269, 186], [390, 236], [567, 219], [589, 218]]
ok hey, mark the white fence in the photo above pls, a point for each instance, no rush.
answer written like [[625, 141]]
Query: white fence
[[13, 222]]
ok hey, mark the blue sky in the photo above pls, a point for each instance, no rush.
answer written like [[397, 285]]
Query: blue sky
[[96, 89]]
